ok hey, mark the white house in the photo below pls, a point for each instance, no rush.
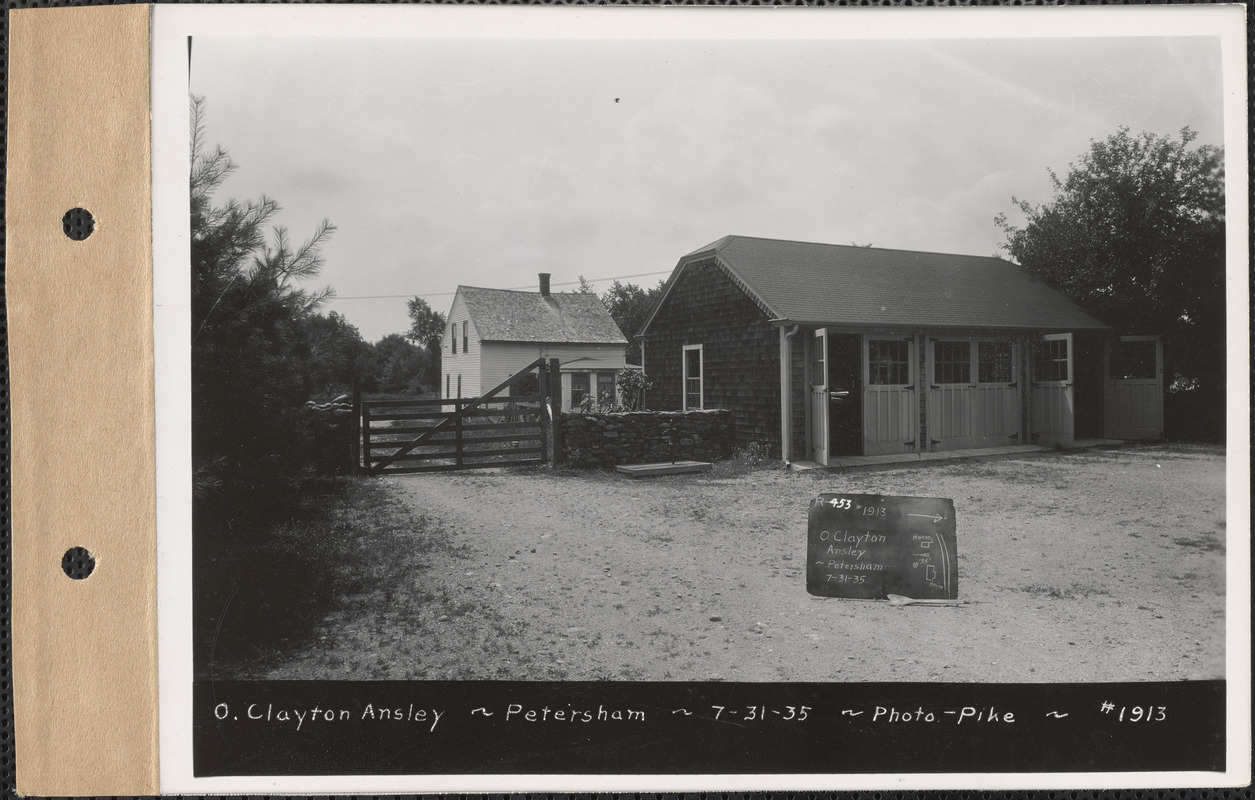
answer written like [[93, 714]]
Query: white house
[[493, 333]]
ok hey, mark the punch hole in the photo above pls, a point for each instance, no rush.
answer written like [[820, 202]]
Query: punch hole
[[78, 224], [78, 563]]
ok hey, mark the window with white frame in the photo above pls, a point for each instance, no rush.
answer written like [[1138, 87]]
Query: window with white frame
[[453, 337], [694, 390]]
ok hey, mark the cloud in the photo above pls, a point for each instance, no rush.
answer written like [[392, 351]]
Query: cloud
[[453, 161]]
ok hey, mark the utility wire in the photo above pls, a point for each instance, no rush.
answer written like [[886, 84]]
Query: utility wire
[[512, 288]]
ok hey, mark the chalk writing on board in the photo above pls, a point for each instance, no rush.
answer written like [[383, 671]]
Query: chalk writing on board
[[870, 546]]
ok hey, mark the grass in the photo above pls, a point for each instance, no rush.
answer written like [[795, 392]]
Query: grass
[[263, 590]]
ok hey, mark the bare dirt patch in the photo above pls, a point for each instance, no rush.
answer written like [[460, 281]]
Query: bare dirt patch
[[1100, 565]]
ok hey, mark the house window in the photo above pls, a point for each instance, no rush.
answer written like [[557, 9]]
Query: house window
[[579, 388], [453, 337], [693, 378], [605, 388], [1051, 363], [952, 362], [994, 362], [447, 377], [888, 362], [459, 386], [465, 348]]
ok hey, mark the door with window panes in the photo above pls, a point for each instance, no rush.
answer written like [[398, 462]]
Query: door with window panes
[[973, 393], [1133, 396], [1051, 398], [890, 409]]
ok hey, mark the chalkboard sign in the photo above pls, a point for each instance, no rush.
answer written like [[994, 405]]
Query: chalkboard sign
[[869, 546]]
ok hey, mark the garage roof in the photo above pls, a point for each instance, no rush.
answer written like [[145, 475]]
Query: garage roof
[[833, 284]]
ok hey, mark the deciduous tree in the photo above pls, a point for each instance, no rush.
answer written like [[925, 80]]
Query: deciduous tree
[[427, 329], [629, 304], [1135, 234]]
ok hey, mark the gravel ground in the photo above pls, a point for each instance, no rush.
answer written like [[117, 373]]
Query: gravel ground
[[1097, 565]]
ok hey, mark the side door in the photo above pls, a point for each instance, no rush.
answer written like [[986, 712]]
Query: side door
[[1133, 394], [890, 407], [819, 397], [1051, 394]]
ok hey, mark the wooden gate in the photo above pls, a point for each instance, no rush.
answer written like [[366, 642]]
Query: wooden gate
[[435, 435]]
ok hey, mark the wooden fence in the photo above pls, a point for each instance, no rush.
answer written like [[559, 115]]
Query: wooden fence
[[432, 434]]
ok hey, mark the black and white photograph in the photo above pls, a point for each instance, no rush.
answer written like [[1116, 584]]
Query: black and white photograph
[[815, 357]]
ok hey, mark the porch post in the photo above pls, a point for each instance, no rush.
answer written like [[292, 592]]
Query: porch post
[[923, 392], [786, 397], [555, 407], [808, 380]]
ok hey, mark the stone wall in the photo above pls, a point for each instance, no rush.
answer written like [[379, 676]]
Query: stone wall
[[643, 437]]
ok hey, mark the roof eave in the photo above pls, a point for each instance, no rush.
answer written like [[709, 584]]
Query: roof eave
[[785, 322], [619, 343], [709, 253]]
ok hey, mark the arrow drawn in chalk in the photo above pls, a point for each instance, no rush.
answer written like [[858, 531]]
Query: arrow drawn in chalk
[[934, 517]]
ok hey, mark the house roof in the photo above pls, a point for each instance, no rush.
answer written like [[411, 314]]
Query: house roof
[[503, 315], [806, 282]]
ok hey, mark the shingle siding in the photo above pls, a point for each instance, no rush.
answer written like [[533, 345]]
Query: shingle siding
[[797, 350], [740, 353]]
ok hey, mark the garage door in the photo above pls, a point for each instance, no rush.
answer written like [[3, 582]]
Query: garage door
[[890, 412], [973, 393], [1133, 396], [1052, 397]]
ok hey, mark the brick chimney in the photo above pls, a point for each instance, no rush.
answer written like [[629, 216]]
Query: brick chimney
[[544, 284]]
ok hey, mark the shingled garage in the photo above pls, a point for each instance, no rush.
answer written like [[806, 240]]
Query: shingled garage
[[822, 351]]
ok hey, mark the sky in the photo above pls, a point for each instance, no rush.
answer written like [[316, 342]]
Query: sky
[[484, 162]]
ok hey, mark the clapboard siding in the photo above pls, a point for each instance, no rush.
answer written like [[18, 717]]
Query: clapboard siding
[[740, 353], [467, 360], [500, 360]]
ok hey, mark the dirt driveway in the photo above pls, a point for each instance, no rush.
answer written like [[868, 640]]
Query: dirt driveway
[[1100, 565]]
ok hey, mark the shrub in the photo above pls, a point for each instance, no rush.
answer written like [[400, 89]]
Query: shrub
[[632, 387]]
